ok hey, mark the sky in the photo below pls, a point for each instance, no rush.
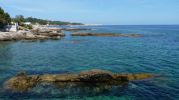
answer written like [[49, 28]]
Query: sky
[[111, 12]]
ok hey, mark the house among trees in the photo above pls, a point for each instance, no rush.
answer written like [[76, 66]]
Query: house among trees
[[28, 23]]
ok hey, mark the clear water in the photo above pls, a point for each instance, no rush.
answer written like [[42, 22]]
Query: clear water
[[157, 52]]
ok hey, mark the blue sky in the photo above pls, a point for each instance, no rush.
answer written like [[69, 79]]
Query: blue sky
[[121, 12]]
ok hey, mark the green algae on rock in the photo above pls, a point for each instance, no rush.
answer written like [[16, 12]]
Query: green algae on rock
[[23, 82]]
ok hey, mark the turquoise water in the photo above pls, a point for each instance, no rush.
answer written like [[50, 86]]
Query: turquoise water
[[157, 52]]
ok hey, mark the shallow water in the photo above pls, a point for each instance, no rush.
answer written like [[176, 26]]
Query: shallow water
[[157, 52]]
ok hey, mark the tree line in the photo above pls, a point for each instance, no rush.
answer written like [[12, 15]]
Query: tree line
[[5, 18], [21, 19]]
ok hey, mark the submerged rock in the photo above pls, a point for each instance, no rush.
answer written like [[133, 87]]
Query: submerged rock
[[95, 76], [106, 34], [23, 82], [51, 32], [75, 29]]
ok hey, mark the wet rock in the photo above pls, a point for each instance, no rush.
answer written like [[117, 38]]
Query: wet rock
[[67, 78], [140, 76], [48, 78], [48, 32], [105, 34], [75, 29], [95, 76], [23, 82], [52, 34]]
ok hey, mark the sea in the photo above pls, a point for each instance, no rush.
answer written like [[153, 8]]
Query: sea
[[156, 52]]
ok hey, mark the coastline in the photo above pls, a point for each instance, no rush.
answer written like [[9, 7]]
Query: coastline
[[38, 32]]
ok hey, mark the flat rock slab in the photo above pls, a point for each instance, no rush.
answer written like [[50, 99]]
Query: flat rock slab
[[106, 34], [23, 82], [75, 29]]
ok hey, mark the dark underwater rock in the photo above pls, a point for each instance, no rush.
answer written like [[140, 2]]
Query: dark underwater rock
[[95, 76], [106, 34], [75, 29], [23, 82]]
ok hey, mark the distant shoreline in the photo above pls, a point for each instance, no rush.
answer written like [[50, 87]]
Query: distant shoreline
[[114, 25]]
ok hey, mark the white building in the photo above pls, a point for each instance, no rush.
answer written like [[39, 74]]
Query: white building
[[11, 28], [27, 23]]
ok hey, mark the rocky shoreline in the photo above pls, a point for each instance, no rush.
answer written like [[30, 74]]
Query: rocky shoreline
[[23, 82], [41, 32], [34, 34], [37, 33]]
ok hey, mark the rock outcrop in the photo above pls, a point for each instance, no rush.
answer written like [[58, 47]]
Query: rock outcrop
[[23, 82], [106, 34], [48, 32], [75, 29], [36, 34]]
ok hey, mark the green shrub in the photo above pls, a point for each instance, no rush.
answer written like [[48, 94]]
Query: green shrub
[[27, 26]]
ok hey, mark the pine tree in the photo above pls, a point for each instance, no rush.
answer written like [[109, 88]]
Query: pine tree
[[4, 18]]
